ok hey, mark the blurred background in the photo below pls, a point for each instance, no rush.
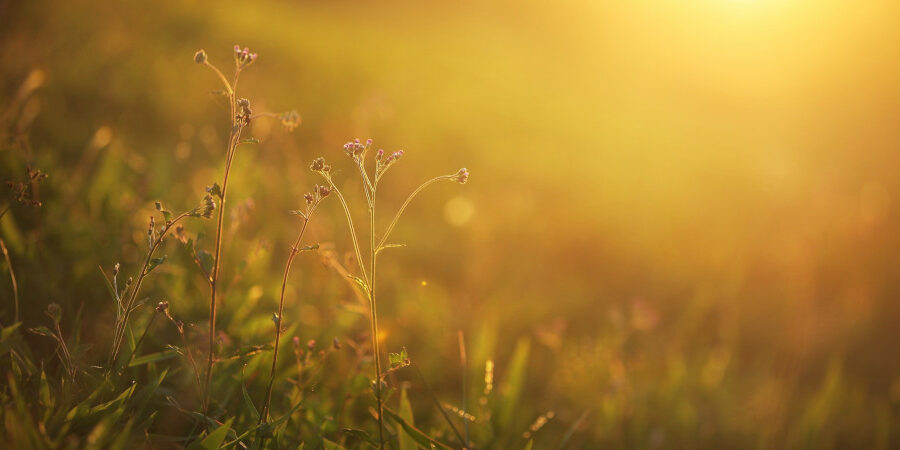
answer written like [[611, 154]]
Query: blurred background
[[679, 230]]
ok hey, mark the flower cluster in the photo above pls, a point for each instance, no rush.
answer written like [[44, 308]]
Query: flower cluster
[[318, 193], [243, 57], [318, 165], [462, 176], [356, 149], [23, 189], [290, 120]]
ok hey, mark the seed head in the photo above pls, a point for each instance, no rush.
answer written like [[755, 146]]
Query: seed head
[[462, 176], [200, 57], [318, 165], [162, 306]]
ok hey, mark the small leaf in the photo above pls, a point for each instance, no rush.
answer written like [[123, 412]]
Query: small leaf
[[247, 401], [213, 440], [153, 357], [359, 281], [155, 262], [399, 359], [405, 412], [309, 247], [206, 260], [387, 246], [297, 212], [328, 445], [250, 141], [362, 436], [413, 432]]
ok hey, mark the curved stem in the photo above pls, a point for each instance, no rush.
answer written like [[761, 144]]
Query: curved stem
[[353, 237], [390, 227], [295, 249]]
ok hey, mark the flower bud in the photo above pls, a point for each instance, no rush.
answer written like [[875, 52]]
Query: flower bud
[[200, 57], [462, 176]]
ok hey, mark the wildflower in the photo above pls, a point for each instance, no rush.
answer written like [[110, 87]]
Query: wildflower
[[336, 343], [290, 120], [200, 57], [318, 165], [323, 191], [311, 344], [243, 57], [308, 197], [462, 176], [116, 269]]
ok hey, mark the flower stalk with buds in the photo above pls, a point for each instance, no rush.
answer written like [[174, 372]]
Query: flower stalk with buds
[[127, 298], [357, 152], [312, 200], [241, 117]]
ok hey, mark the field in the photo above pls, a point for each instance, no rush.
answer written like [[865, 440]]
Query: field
[[668, 224]]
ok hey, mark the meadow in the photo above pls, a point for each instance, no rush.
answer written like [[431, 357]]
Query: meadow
[[496, 225]]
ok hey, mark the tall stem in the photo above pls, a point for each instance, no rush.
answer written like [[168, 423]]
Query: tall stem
[[295, 249], [372, 305], [235, 133]]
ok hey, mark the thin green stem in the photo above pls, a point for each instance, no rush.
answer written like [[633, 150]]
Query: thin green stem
[[353, 237], [295, 249], [373, 306], [234, 137], [409, 199]]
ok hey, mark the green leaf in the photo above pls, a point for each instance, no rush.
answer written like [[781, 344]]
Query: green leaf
[[8, 331], [399, 359], [513, 384], [214, 440], [297, 212], [153, 357], [413, 432], [109, 286], [309, 247], [206, 260], [155, 262], [44, 392], [529, 444], [362, 436], [250, 141], [404, 440], [328, 445], [247, 401]]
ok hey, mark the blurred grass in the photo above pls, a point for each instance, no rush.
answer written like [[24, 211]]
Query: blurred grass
[[686, 207]]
